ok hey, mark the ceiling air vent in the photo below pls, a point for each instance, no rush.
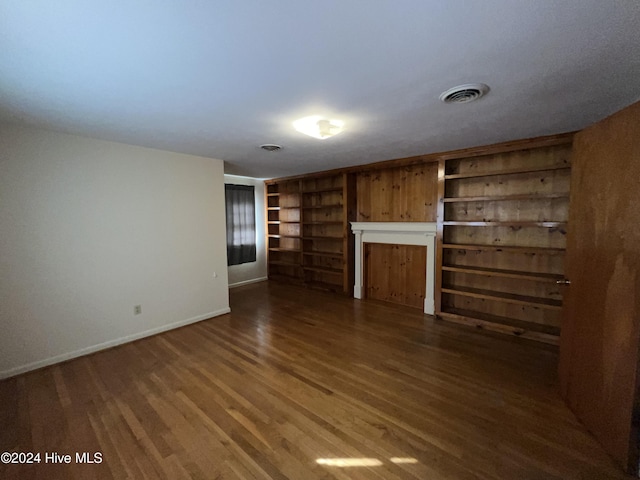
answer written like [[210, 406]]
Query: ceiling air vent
[[464, 93], [270, 147]]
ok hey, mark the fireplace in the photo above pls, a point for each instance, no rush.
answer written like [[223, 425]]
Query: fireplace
[[399, 233]]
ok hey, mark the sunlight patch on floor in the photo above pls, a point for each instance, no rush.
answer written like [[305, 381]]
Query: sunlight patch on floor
[[349, 462], [361, 462], [399, 460]]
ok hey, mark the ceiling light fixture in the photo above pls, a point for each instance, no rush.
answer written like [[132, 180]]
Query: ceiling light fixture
[[319, 127], [271, 147]]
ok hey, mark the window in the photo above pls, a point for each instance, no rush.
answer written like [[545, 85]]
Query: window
[[241, 223]]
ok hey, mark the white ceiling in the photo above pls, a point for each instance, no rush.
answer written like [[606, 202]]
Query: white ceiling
[[220, 78]]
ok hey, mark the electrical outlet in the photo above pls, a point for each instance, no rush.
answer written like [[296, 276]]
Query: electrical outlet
[[137, 309], [215, 274]]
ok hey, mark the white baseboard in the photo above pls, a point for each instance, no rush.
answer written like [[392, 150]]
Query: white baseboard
[[247, 282], [12, 372]]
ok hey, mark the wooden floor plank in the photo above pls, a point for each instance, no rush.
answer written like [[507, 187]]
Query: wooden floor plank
[[298, 384]]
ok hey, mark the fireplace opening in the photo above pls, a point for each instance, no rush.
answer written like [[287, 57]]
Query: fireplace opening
[[397, 235], [395, 273]]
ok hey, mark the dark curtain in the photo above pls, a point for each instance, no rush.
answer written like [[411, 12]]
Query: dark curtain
[[241, 224]]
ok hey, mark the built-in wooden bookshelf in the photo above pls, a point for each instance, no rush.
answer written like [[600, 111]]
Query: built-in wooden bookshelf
[[501, 213], [503, 221], [308, 225], [284, 230]]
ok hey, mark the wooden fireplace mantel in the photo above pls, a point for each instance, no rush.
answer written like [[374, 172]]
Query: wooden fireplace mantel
[[400, 233]]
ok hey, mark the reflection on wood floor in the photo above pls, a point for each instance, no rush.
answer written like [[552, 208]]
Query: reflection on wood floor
[[302, 385]]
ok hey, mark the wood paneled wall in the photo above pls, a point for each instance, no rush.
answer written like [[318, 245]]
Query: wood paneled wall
[[400, 194], [601, 326], [396, 273]]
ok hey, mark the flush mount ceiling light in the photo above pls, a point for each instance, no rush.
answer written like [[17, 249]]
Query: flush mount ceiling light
[[319, 127], [271, 147], [464, 93]]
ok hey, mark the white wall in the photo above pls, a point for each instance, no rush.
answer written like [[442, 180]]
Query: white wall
[[91, 228], [254, 271]]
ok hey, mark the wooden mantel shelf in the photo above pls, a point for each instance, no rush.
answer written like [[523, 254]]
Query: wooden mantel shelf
[[395, 227]]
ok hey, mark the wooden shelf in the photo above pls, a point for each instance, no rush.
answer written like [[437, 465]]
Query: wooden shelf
[[527, 214], [323, 254], [322, 223], [321, 238], [508, 171], [273, 194], [500, 198], [332, 271], [323, 190], [546, 303], [504, 224], [505, 248], [284, 264], [324, 207], [534, 331], [495, 272]]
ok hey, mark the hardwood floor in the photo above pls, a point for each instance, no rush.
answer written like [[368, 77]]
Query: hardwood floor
[[293, 382]]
